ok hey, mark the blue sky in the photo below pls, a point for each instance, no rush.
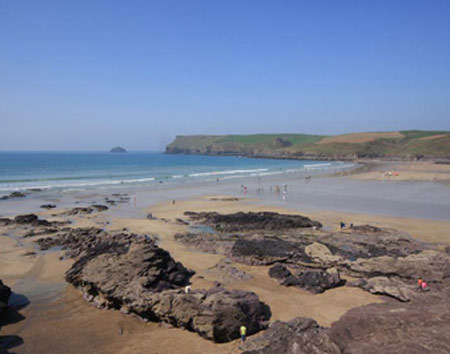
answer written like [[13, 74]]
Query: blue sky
[[88, 75]]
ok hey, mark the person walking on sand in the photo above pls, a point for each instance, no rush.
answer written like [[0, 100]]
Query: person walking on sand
[[243, 331], [419, 284]]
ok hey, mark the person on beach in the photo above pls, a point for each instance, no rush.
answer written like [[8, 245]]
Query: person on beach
[[342, 225], [243, 331], [187, 289], [425, 286], [419, 284], [173, 202]]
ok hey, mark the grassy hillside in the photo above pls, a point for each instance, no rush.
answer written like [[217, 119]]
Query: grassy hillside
[[400, 144]]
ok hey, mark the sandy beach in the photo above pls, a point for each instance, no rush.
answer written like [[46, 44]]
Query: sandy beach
[[51, 315]]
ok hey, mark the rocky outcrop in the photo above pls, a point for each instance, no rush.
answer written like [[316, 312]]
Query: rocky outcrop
[[48, 206], [252, 221], [301, 335], [226, 271], [5, 293], [364, 252], [121, 271], [313, 280], [85, 210], [131, 273], [392, 287], [432, 265], [13, 195], [137, 278], [419, 326], [215, 314], [30, 220]]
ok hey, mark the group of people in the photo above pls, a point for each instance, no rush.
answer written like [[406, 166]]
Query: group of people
[[422, 285], [344, 226]]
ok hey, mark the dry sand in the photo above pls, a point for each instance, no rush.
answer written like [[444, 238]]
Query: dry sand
[[66, 324], [406, 171]]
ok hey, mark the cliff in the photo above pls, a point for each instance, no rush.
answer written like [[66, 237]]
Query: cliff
[[410, 144]]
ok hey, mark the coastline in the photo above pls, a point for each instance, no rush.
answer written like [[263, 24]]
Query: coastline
[[84, 328]]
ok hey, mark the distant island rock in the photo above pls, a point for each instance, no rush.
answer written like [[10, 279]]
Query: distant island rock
[[118, 149]]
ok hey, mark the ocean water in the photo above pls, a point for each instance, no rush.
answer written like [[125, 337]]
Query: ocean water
[[100, 170]]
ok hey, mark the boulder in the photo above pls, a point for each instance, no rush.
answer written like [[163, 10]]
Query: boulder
[[320, 253], [215, 314], [31, 219], [313, 280]]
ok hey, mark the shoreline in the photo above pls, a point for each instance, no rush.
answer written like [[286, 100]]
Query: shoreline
[[40, 278]]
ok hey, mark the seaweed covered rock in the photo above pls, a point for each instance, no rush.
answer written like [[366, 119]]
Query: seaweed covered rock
[[252, 221]]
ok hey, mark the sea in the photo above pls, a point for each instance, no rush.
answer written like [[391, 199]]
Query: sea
[[73, 171]]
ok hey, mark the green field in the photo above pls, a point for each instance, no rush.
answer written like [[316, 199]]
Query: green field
[[404, 144]]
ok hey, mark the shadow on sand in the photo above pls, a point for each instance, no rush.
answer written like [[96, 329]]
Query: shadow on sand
[[11, 315]]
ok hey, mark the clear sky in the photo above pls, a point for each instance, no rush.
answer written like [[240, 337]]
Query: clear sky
[[89, 75]]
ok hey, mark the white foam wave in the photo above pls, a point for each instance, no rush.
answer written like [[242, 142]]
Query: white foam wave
[[229, 172]]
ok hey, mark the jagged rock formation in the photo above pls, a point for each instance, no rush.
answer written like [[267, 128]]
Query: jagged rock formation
[[313, 280], [131, 273]]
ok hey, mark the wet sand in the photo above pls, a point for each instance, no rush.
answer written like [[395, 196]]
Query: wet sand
[[57, 320]]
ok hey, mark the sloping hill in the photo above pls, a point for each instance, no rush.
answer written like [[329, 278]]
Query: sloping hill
[[409, 144]]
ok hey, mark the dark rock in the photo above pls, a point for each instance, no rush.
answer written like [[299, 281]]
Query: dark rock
[[5, 293], [85, 210], [13, 195], [314, 280], [419, 326], [31, 219], [120, 270], [100, 207], [118, 149], [366, 228], [181, 221], [265, 251], [48, 206], [252, 221], [279, 271], [215, 314], [45, 231], [137, 276], [225, 270], [6, 222], [301, 335]]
